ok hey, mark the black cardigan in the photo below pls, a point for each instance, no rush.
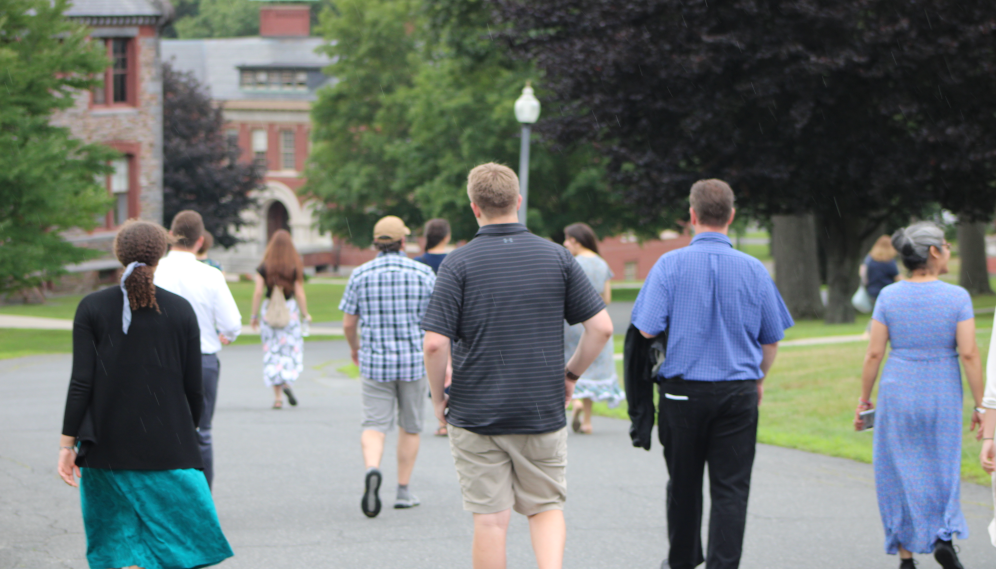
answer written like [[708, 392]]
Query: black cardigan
[[134, 400]]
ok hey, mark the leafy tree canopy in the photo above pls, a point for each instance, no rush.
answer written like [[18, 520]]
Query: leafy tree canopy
[[216, 19], [862, 112], [201, 168], [424, 94], [49, 182]]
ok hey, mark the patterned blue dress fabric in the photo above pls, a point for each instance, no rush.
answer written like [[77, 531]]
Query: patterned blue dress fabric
[[155, 519], [599, 382], [918, 420]]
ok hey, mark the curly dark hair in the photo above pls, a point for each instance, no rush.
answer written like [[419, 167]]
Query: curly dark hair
[[144, 242]]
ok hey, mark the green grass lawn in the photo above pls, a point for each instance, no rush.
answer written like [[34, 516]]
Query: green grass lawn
[[15, 343]]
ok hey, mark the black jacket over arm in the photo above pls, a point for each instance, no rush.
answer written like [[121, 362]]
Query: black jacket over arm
[[134, 400], [638, 377]]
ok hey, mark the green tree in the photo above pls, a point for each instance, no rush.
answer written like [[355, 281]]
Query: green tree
[[423, 95], [48, 180], [218, 19]]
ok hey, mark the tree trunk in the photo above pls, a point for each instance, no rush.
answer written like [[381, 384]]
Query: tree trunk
[[847, 242], [797, 271], [974, 274]]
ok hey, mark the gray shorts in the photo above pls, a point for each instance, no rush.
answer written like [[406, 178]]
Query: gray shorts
[[380, 397]]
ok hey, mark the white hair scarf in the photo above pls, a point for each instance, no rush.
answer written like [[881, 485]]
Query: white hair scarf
[[126, 309]]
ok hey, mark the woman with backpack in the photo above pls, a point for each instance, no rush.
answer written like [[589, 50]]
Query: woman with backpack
[[283, 314]]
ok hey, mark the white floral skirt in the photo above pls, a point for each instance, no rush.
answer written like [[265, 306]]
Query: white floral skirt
[[283, 348]]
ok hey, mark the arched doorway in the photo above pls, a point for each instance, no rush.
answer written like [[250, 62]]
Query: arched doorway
[[276, 219]]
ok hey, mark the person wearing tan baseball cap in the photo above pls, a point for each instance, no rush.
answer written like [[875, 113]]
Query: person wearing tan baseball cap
[[386, 298], [390, 229]]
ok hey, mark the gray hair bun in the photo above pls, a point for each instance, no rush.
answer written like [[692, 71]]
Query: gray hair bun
[[914, 242]]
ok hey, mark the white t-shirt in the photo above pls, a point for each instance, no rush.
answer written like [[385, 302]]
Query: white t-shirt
[[204, 287]]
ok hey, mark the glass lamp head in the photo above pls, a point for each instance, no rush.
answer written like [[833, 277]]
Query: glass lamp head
[[527, 106]]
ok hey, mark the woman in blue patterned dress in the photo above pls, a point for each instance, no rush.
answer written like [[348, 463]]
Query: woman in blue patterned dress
[[917, 441], [283, 348], [599, 382]]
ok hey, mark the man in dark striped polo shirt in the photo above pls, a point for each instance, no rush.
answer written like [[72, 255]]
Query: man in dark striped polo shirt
[[502, 300]]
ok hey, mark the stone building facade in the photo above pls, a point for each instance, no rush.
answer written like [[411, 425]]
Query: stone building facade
[[126, 113]]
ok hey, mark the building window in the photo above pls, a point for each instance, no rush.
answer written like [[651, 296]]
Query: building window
[[259, 148], [117, 85], [287, 150], [273, 80], [629, 271], [120, 187]]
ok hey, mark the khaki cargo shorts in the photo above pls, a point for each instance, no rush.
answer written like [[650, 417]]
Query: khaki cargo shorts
[[524, 472]]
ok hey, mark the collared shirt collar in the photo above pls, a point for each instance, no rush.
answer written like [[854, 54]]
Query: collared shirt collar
[[182, 255], [712, 237], [384, 253], [502, 229]]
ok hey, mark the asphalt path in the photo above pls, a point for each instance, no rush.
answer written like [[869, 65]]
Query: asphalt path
[[288, 488]]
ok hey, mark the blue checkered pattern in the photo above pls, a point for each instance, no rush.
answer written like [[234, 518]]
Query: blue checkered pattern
[[390, 294], [719, 306]]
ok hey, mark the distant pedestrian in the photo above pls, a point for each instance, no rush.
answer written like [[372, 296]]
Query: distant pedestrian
[[129, 430], [917, 444], [600, 381], [283, 317], [437, 238], [724, 318], [386, 299], [202, 253], [217, 314], [879, 269], [501, 301]]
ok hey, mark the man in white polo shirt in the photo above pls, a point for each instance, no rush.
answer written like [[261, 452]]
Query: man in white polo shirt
[[205, 289]]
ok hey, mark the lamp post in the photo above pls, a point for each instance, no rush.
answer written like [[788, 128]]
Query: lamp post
[[527, 110]]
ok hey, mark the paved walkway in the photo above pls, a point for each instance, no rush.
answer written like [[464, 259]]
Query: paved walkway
[[288, 488]]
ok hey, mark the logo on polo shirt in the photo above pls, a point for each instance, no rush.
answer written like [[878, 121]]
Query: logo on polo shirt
[[508, 240]]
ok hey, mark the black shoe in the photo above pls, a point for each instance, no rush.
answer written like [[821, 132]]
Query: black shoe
[[370, 504], [907, 564], [946, 555], [290, 397]]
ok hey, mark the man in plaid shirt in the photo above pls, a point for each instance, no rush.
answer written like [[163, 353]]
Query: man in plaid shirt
[[387, 298]]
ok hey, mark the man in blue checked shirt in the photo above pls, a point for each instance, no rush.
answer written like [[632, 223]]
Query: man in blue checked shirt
[[387, 298], [724, 318]]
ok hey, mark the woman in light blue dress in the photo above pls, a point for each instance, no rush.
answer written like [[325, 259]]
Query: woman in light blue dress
[[599, 382], [917, 440]]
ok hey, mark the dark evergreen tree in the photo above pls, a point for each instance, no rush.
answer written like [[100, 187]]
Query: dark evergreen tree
[[861, 112], [201, 169]]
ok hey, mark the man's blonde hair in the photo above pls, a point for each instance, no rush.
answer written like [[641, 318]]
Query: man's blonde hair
[[494, 188]]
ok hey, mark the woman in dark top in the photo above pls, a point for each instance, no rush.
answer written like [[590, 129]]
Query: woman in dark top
[[129, 430], [283, 347], [437, 237], [879, 270]]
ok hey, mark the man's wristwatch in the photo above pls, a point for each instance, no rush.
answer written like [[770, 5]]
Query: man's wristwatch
[[571, 375]]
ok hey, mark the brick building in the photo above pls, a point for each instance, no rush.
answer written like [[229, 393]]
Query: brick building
[[265, 86], [125, 113]]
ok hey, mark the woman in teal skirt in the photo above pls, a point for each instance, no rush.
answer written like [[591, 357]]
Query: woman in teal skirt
[[129, 429]]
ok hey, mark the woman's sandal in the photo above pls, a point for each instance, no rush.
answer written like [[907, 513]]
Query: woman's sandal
[[576, 421], [441, 431], [290, 396], [278, 404]]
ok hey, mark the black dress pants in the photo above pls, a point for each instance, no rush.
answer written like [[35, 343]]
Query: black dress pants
[[714, 422]]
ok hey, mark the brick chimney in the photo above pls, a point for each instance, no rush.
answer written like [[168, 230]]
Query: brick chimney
[[288, 20]]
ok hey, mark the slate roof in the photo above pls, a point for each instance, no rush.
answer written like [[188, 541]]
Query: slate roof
[[116, 8], [216, 62]]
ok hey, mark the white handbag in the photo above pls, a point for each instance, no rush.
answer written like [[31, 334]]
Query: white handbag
[[861, 301]]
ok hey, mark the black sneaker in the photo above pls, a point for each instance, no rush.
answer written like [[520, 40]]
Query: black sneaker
[[946, 555], [907, 564], [370, 504], [290, 397]]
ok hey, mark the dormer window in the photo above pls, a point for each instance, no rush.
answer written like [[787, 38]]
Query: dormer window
[[273, 79]]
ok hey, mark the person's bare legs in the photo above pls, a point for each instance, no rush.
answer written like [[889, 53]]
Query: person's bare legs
[[488, 551], [586, 418], [373, 448], [278, 398], [549, 536], [407, 453], [903, 554]]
